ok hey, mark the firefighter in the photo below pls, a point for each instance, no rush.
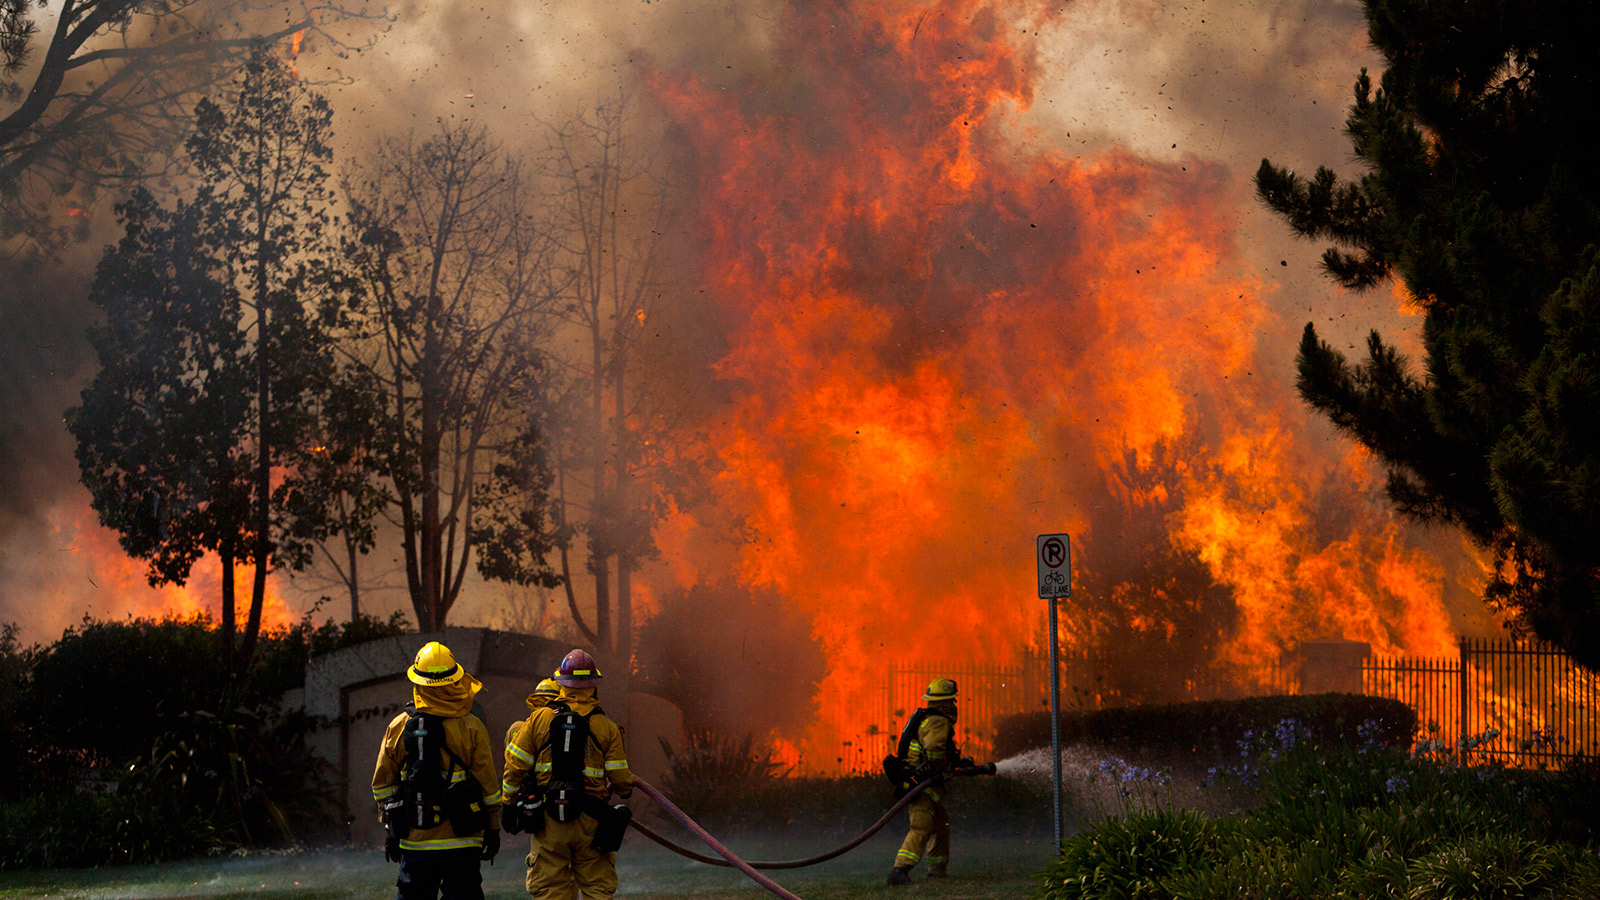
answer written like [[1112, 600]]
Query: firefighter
[[928, 748], [441, 801], [574, 849], [546, 691]]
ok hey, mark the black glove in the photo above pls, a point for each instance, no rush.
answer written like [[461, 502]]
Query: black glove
[[391, 848], [491, 845], [965, 762]]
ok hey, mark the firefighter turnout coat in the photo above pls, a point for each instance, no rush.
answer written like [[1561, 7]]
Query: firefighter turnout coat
[[467, 737], [933, 752], [563, 861], [605, 762]]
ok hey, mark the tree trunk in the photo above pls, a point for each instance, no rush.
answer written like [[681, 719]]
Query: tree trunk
[[263, 491], [623, 454], [601, 519], [225, 627], [353, 582], [429, 548]]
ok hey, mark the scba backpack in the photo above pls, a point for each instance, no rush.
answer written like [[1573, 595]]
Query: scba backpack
[[430, 792], [564, 796], [895, 767]]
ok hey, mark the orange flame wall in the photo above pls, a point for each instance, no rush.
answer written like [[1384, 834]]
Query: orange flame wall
[[943, 336]]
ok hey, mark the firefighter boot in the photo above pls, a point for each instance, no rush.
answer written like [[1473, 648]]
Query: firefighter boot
[[899, 875]]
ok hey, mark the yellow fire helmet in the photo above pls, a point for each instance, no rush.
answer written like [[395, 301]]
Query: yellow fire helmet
[[548, 689], [434, 665], [940, 689]]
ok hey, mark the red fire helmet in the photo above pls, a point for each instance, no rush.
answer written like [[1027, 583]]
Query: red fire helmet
[[577, 669]]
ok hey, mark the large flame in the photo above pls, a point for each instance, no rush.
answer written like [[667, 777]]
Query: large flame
[[946, 336], [93, 569]]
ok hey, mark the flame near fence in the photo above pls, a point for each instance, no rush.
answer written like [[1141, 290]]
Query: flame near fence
[[1543, 709], [1539, 705], [987, 693]]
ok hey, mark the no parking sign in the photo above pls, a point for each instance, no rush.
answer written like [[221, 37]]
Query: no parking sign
[[1054, 553]]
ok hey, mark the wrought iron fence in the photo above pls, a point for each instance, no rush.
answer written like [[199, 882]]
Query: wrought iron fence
[[1537, 706], [1543, 709]]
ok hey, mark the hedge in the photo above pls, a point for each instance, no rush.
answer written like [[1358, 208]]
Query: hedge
[[1210, 729]]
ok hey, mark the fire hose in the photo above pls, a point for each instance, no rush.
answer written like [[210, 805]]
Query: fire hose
[[702, 834], [749, 868]]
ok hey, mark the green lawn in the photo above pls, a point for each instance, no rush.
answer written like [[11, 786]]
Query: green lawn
[[982, 868]]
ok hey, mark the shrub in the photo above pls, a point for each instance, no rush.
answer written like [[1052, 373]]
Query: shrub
[[1488, 867], [1268, 871], [1583, 882], [87, 830], [141, 709], [1210, 730], [720, 778], [1353, 823], [1130, 857]]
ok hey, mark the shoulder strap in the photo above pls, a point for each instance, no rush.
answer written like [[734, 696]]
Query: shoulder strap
[[563, 708], [443, 741]]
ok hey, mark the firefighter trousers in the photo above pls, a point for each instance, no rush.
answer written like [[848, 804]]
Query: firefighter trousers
[[563, 860], [440, 875], [929, 835]]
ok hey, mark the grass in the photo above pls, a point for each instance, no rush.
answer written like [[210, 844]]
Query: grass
[[982, 868]]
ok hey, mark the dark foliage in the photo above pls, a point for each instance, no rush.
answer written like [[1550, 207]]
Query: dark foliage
[[1348, 823], [1480, 196], [116, 713], [59, 830], [1210, 730], [216, 353]]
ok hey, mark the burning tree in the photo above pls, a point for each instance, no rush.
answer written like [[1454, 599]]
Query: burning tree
[[453, 257], [1479, 198], [212, 349]]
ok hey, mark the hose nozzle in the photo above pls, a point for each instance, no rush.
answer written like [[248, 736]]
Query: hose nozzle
[[984, 769]]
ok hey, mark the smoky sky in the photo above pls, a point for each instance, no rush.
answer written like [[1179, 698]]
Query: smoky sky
[[1202, 84]]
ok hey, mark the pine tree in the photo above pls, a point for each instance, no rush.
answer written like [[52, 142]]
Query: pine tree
[[1481, 196]]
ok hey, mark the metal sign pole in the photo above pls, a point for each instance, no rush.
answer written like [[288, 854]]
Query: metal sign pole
[[1055, 720], [1053, 554]]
